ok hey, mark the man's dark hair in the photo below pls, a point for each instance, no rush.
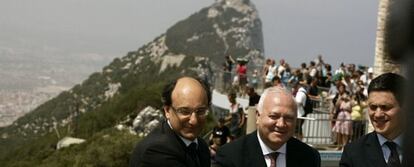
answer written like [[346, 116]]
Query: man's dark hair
[[312, 63], [303, 65], [232, 95], [168, 89], [276, 78], [328, 67], [390, 82]]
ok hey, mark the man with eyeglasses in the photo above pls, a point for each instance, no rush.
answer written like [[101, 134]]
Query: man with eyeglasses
[[272, 144], [175, 142], [381, 148]]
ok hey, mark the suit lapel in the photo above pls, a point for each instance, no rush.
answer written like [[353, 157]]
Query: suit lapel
[[291, 149], [176, 143], [204, 153], [374, 152], [254, 149]]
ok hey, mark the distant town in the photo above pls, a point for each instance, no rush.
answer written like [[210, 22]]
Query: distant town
[[30, 77], [14, 104]]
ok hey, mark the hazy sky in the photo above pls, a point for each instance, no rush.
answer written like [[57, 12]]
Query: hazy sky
[[297, 30]]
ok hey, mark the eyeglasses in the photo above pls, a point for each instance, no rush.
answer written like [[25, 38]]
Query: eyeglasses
[[186, 112]]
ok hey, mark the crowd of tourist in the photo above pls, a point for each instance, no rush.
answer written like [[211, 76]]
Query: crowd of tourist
[[279, 114], [341, 93]]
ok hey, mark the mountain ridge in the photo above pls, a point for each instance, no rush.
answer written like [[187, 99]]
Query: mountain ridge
[[130, 83]]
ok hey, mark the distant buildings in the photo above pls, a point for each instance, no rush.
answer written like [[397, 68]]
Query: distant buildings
[[14, 104]]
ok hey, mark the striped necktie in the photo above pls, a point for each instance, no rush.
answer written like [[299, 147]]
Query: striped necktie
[[273, 157]]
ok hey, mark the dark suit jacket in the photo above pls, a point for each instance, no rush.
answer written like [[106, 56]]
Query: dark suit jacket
[[163, 148], [246, 152], [365, 152]]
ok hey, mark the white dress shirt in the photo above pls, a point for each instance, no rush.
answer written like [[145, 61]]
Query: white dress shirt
[[281, 158]]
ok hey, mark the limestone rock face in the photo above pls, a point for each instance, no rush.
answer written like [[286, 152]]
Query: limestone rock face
[[67, 141], [147, 120], [226, 27]]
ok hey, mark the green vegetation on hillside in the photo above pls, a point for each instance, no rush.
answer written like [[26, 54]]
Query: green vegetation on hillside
[[88, 126], [107, 148]]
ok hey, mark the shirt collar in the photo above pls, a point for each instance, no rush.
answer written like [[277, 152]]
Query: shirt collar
[[397, 140], [186, 141], [267, 150]]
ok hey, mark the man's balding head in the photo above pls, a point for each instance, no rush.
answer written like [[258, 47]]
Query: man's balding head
[[169, 88], [186, 104]]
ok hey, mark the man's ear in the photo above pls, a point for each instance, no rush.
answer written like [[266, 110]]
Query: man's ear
[[257, 116], [166, 111]]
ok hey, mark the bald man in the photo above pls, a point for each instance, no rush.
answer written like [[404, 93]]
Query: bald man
[[175, 142], [272, 144]]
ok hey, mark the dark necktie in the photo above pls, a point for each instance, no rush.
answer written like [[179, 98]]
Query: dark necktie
[[394, 158], [192, 150], [273, 157]]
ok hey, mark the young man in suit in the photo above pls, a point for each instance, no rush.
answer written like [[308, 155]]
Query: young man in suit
[[175, 142], [272, 144], [381, 148]]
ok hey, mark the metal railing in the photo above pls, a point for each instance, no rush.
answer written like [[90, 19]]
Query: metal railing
[[317, 126], [317, 130]]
